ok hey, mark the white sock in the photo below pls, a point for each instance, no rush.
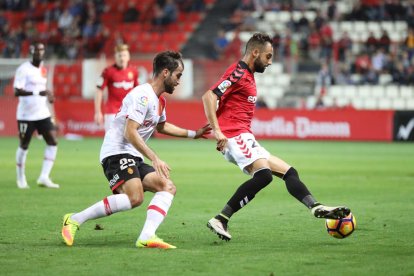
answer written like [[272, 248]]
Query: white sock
[[106, 207], [48, 161], [21, 155], [156, 212]]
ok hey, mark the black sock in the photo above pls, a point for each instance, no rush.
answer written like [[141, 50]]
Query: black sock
[[247, 191], [297, 189]]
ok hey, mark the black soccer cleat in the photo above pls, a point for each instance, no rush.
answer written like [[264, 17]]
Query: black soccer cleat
[[338, 212]]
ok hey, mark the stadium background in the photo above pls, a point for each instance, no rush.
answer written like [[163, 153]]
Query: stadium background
[[343, 70]]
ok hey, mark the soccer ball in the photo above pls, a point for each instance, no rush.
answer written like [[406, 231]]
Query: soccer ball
[[341, 228]]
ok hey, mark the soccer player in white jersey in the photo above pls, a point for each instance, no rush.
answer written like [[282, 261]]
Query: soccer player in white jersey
[[124, 148], [33, 114]]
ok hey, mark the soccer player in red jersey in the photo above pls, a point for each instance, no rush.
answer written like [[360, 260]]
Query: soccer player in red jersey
[[231, 123], [119, 78]]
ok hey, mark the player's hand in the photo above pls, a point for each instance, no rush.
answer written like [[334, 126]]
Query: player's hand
[[221, 140], [99, 118], [161, 168], [50, 96], [203, 132]]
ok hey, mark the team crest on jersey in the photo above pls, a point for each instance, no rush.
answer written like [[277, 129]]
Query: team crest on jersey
[[130, 170], [224, 85], [43, 71], [130, 75], [143, 101]]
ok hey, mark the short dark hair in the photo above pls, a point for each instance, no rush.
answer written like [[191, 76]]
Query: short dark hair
[[167, 60], [257, 40]]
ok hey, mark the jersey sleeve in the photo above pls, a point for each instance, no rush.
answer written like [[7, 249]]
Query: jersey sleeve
[[163, 103], [102, 81], [20, 78], [226, 81], [137, 108]]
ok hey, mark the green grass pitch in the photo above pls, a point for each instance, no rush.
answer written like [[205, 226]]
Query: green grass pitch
[[273, 235]]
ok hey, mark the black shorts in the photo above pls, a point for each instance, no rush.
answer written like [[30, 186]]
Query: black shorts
[[120, 168], [26, 128]]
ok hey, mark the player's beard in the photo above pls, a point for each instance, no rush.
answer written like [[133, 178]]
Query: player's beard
[[169, 86], [259, 66]]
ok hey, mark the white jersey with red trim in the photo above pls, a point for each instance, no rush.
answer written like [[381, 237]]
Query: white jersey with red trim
[[31, 79], [144, 107]]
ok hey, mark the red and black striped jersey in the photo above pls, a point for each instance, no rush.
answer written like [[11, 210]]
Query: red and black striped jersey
[[237, 92]]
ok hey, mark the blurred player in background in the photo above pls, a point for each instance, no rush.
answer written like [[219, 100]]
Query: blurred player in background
[[33, 114], [231, 123], [119, 78], [123, 151]]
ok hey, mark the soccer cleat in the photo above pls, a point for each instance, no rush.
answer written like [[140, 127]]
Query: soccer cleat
[[219, 228], [47, 183], [322, 211], [69, 229], [154, 242], [22, 184]]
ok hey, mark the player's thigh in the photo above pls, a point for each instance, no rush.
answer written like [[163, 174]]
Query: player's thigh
[[26, 129], [133, 188], [123, 175], [155, 183], [278, 166], [47, 129], [257, 165]]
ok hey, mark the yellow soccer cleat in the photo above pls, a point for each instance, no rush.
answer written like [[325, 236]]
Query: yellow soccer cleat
[[69, 229], [154, 242]]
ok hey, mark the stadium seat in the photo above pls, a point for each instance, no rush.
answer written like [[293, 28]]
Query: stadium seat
[[365, 91], [370, 103], [398, 104], [392, 91], [378, 91], [410, 104], [357, 103], [343, 101], [336, 91], [384, 103], [350, 91], [407, 91], [384, 79]]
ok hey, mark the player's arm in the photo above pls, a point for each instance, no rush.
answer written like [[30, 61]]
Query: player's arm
[[133, 137], [173, 130], [98, 104], [210, 102]]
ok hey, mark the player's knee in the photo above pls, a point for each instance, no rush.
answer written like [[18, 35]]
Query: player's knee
[[170, 187], [136, 200], [292, 172], [264, 176]]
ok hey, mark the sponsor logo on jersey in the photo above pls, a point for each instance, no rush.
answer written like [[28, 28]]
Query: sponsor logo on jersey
[[130, 75], [224, 85], [143, 101], [126, 85], [252, 99], [43, 71]]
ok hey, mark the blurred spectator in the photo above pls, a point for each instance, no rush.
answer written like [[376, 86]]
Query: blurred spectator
[[247, 5], [343, 77], [319, 20], [314, 42], [191, 5], [362, 63], [385, 41], [331, 11], [131, 14], [372, 43], [220, 44], [167, 14], [409, 44], [53, 14], [326, 41], [378, 61], [30, 31], [249, 22], [12, 45], [33, 13], [303, 23], [65, 20], [276, 42], [394, 10], [344, 46], [323, 80]]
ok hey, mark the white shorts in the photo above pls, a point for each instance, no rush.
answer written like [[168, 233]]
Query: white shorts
[[108, 118], [243, 150]]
